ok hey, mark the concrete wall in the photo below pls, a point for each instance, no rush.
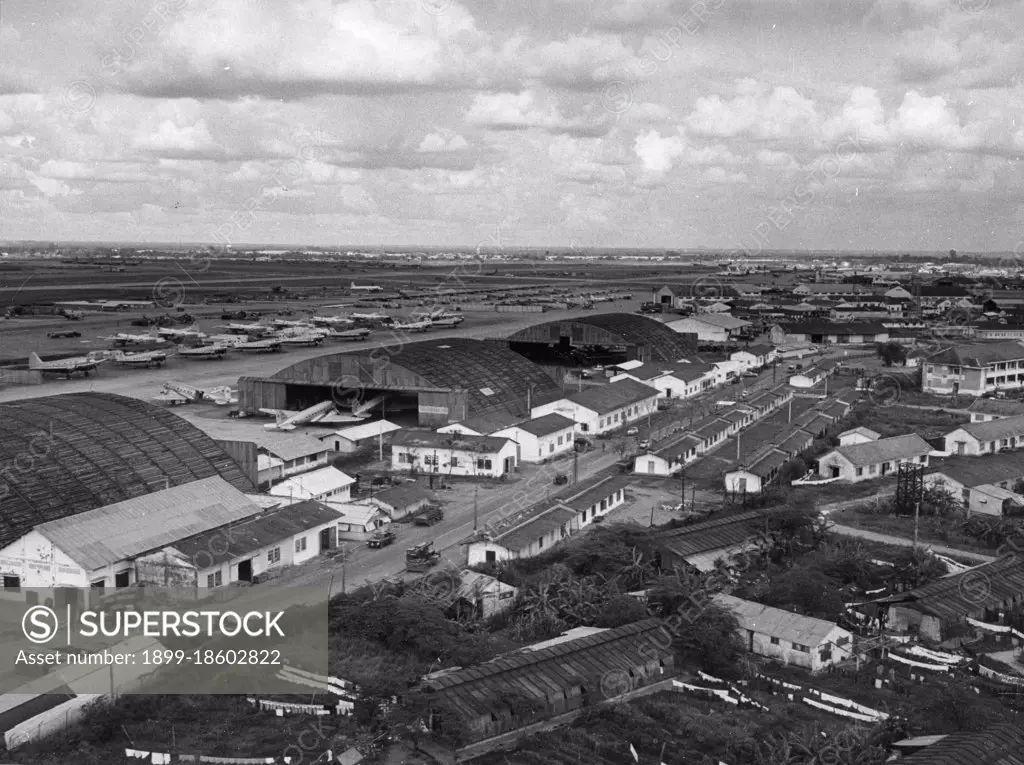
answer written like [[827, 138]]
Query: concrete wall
[[39, 563]]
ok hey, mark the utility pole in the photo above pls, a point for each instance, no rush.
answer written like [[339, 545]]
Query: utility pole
[[917, 518], [476, 504], [575, 465]]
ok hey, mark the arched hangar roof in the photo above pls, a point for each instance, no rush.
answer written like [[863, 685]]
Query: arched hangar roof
[[67, 454], [495, 378], [627, 329]]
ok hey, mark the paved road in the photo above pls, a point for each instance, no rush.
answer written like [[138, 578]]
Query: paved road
[[888, 539]]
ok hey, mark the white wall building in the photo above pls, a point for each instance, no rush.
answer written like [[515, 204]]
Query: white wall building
[[755, 356], [717, 328], [989, 437], [453, 454], [297, 453], [368, 434], [541, 439], [323, 484], [975, 369], [874, 459], [605, 408]]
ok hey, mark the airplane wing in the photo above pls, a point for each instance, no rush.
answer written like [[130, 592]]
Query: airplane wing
[[278, 412], [223, 400], [338, 418], [170, 397]]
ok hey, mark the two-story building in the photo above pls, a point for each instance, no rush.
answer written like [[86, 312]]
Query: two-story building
[[286, 455], [542, 438], [604, 408], [975, 369]]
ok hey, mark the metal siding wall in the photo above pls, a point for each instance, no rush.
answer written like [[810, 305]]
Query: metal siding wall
[[245, 453]]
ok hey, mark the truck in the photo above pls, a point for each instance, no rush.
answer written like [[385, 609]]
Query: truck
[[380, 539], [421, 557], [429, 515]]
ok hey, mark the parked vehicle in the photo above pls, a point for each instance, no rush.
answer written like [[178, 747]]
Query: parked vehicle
[[381, 539], [561, 479], [63, 333], [429, 515], [633, 431], [421, 557]]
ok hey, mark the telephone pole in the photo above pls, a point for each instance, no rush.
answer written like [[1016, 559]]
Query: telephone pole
[[476, 504]]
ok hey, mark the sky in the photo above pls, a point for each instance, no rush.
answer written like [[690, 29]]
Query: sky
[[746, 125]]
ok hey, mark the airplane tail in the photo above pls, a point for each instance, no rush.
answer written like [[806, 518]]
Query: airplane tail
[[281, 417], [34, 362]]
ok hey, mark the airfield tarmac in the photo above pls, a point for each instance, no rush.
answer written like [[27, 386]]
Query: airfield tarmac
[[144, 384]]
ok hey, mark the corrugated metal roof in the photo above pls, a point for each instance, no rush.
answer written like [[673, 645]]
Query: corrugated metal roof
[[590, 492], [365, 430], [214, 547], [977, 355], [549, 423], [885, 450], [988, 586], [400, 496], [714, 534], [529, 532], [999, 745], [978, 471], [291, 447], [124, 530], [488, 688], [312, 484], [794, 628], [454, 441]]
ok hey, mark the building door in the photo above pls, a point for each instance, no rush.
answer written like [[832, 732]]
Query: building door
[[961, 447], [741, 486], [835, 471], [750, 641], [245, 570], [510, 463], [650, 466], [325, 539]]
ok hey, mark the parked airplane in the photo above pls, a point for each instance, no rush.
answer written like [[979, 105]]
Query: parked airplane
[[260, 346], [246, 329], [146, 359], [222, 395], [413, 326], [370, 317], [349, 334], [228, 341], [366, 288], [331, 321], [180, 334], [178, 393], [122, 339], [67, 367], [204, 352], [323, 413], [283, 323], [309, 340], [452, 323]]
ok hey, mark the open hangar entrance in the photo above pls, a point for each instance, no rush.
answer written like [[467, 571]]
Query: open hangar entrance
[[443, 380], [602, 339]]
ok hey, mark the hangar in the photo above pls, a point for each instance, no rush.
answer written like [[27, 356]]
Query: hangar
[[608, 338], [67, 454], [442, 381]]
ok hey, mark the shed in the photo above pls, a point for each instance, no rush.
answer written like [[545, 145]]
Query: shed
[[399, 501]]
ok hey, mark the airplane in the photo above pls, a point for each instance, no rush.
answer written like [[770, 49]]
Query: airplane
[[67, 367], [454, 322], [204, 352], [413, 326], [331, 321], [323, 413], [260, 346], [350, 334], [309, 340], [180, 334], [284, 323], [366, 288], [227, 341], [222, 395], [370, 316], [246, 329], [123, 338], [148, 358], [178, 393]]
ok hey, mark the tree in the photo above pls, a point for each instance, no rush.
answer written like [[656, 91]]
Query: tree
[[891, 353]]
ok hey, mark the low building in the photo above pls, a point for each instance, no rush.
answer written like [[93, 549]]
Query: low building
[[790, 638], [254, 548], [827, 333], [858, 436], [554, 678], [975, 369], [536, 529], [701, 544], [755, 356], [356, 522], [327, 483], [367, 434], [874, 459], [989, 437], [485, 424], [670, 457], [453, 454], [680, 380], [541, 439], [482, 596], [815, 375], [941, 608], [762, 471], [604, 408], [297, 453], [985, 409], [268, 469], [102, 547], [986, 487], [710, 328], [399, 501]]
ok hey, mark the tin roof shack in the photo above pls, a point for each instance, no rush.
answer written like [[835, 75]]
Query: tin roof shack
[[936, 610], [701, 544], [999, 745], [399, 501], [540, 682], [791, 638]]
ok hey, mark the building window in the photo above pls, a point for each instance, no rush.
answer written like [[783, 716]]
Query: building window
[[12, 582], [490, 556], [215, 580], [860, 471], [483, 464], [274, 556], [775, 641], [300, 545], [801, 648], [551, 448], [540, 542], [99, 584], [455, 461]]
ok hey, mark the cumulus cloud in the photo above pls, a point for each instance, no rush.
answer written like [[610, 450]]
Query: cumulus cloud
[[528, 110], [755, 111]]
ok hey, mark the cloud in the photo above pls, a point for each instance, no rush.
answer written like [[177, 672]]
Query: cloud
[[658, 154], [435, 142], [527, 111], [755, 112]]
